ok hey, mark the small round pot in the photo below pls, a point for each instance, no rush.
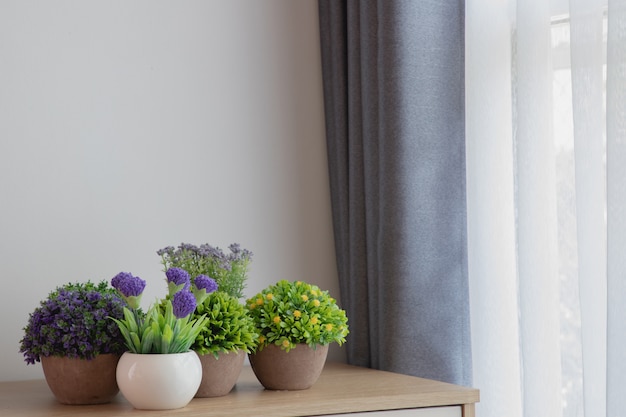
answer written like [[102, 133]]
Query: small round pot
[[219, 375], [81, 381], [159, 381], [297, 369]]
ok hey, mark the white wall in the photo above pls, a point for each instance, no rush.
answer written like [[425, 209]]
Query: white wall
[[129, 126]]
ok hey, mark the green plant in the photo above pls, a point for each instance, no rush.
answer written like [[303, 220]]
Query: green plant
[[288, 313], [228, 326], [229, 271], [72, 321], [168, 326]]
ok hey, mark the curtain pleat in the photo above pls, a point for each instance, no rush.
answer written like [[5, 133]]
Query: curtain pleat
[[490, 209], [587, 50], [394, 101], [537, 250], [616, 207]]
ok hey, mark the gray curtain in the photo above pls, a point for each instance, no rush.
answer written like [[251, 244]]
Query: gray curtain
[[394, 102]]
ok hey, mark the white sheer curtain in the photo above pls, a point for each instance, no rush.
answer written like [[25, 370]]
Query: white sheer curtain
[[546, 185]]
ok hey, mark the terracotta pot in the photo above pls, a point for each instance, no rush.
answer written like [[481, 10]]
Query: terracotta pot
[[80, 381], [297, 369], [159, 381], [220, 375]]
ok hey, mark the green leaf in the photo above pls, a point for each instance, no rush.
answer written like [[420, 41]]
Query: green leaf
[[135, 345], [130, 320], [147, 341], [166, 338]]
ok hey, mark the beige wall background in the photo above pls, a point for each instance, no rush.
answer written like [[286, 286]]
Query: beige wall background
[[129, 126]]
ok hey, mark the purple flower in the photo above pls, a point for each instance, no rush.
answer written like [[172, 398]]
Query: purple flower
[[230, 270], [202, 287], [128, 285], [73, 321], [183, 303], [178, 276], [238, 254], [168, 250], [177, 279], [203, 282]]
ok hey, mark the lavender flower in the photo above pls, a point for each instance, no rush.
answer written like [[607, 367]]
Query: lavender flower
[[128, 285], [183, 303], [166, 251], [130, 288], [202, 282], [177, 275], [177, 279], [238, 254], [202, 287]]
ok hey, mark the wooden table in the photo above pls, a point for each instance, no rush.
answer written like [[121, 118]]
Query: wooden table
[[340, 389]]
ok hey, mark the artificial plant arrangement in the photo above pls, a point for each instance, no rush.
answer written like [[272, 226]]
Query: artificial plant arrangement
[[72, 322], [228, 270], [289, 313], [228, 326], [169, 325]]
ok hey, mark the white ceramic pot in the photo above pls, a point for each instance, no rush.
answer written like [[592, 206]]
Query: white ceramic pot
[[159, 381]]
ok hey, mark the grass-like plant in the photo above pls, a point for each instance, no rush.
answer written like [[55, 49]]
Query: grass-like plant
[[228, 326], [168, 326], [288, 313]]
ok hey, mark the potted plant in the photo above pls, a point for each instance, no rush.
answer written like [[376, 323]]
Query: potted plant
[[296, 322], [77, 345], [226, 337], [159, 371], [228, 270]]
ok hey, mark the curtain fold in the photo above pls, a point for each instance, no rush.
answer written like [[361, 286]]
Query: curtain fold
[[587, 58], [616, 207], [537, 247], [492, 257], [394, 101]]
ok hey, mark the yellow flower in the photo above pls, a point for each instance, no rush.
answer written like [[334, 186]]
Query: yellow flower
[[314, 293], [251, 306], [297, 314], [316, 303], [261, 339], [304, 297], [259, 301], [314, 320], [286, 343], [269, 296], [276, 319], [329, 327]]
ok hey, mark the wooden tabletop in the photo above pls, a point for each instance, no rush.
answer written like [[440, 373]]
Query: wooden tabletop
[[340, 389]]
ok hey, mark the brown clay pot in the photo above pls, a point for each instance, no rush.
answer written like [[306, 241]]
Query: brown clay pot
[[297, 369], [220, 375], [80, 381]]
